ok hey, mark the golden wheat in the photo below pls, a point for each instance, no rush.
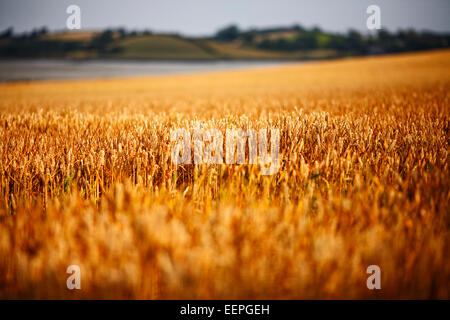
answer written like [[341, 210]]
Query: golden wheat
[[87, 179]]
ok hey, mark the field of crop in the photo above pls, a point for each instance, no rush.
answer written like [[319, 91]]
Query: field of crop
[[87, 179]]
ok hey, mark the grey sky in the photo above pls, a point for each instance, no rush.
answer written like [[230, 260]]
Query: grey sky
[[203, 17]]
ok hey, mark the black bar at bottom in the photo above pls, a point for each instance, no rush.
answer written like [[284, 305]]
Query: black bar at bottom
[[224, 309]]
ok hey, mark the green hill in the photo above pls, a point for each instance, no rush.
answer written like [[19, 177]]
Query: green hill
[[159, 47]]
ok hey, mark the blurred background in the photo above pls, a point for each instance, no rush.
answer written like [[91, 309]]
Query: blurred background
[[137, 37]]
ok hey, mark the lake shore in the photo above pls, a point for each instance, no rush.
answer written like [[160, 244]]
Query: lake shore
[[63, 69]]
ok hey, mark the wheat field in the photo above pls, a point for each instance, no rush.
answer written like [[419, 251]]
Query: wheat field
[[87, 179]]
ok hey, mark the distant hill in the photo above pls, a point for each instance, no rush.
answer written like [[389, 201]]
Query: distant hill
[[159, 47], [284, 43]]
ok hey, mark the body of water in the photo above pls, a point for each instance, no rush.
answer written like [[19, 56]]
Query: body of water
[[27, 70]]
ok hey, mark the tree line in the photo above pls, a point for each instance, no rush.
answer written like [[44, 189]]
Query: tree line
[[36, 43], [300, 38]]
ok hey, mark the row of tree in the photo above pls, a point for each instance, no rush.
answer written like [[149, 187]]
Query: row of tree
[[353, 41], [35, 44], [296, 38]]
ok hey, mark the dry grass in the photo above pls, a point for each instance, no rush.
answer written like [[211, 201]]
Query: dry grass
[[86, 178]]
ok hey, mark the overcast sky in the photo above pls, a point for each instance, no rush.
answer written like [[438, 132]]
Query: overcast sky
[[203, 17]]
